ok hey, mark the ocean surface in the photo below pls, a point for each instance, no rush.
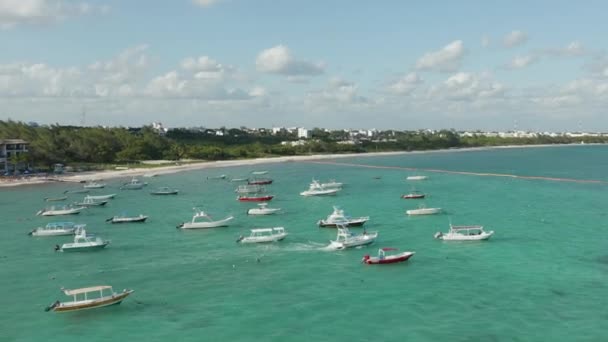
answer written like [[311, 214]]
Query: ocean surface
[[543, 276]]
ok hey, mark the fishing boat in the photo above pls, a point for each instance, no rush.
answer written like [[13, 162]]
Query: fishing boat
[[346, 239], [94, 185], [259, 181], [383, 259], [262, 209], [316, 189], [55, 229], [83, 242], [90, 202], [261, 198], [414, 195], [63, 210], [128, 219], [201, 220], [55, 199], [101, 197], [337, 218], [332, 184], [134, 184], [415, 178], [259, 172], [422, 210], [89, 298], [464, 233], [165, 191], [249, 189], [262, 235]]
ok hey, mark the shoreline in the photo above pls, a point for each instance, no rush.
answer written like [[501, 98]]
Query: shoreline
[[170, 169]]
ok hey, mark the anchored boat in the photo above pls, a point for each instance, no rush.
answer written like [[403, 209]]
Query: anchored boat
[[263, 198], [55, 229], [382, 258], [165, 191], [55, 199], [101, 197], [262, 209], [88, 201], [262, 235], [89, 298], [464, 233], [415, 178], [346, 239], [315, 189], [63, 210], [128, 219], [338, 218], [201, 220], [259, 181], [134, 184], [422, 210], [414, 195], [94, 185], [83, 242]]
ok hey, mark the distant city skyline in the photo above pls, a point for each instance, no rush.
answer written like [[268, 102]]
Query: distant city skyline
[[540, 65]]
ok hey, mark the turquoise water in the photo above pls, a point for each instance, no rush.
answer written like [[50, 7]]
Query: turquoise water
[[542, 277]]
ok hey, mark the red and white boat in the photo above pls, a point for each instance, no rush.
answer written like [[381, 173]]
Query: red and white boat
[[264, 198], [414, 195], [382, 258], [259, 181]]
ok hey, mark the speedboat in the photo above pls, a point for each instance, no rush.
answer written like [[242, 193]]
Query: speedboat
[[249, 189], [83, 242], [94, 185], [101, 197], [337, 218], [90, 298], [55, 229], [259, 172], [90, 202], [264, 198], [128, 219], [422, 210], [261, 235], [382, 258], [346, 239], [414, 195], [64, 210], [464, 233], [259, 181], [262, 209], [165, 191], [55, 199], [316, 189], [201, 220], [134, 184], [414, 178]]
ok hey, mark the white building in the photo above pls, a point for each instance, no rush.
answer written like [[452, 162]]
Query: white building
[[158, 127], [304, 133], [10, 148]]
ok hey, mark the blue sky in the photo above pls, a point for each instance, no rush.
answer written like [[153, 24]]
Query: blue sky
[[335, 64]]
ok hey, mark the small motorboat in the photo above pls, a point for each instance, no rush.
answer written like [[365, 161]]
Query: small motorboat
[[262, 235], [90, 202], [134, 184], [249, 189], [262, 209], [90, 298], [217, 177], [201, 220], [382, 258], [239, 179], [414, 195], [128, 219], [259, 181], [464, 233], [263, 198], [315, 189], [165, 191], [63, 210], [415, 178], [422, 210], [150, 175], [338, 218], [101, 197], [259, 172], [55, 229], [94, 185], [56, 199], [346, 239], [83, 242], [77, 191]]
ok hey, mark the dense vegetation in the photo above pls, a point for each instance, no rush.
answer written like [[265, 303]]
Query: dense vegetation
[[118, 145]]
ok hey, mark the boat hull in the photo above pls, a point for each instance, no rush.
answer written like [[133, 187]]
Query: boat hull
[[427, 211], [254, 199], [461, 237], [391, 259], [256, 211], [100, 303], [61, 212], [165, 193], [205, 225], [410, 196], [58, 232], [93, 204], [351, 223], [102, 197], [265, 239], [361, 240], [327, 192], [87, 248]]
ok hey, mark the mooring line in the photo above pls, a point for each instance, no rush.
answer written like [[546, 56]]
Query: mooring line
[[467, 173]]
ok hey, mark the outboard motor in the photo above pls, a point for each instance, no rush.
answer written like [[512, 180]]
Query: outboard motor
[[438, 235], [57, 248]]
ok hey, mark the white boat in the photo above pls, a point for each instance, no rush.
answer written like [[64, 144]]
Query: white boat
[[249, 189], [417, 177], [259, 172], [55, 229], [134, 184], [239, 179], [316, 189], [101, 197], [94, 185], [55, 199], [201, 220], [165, 191], [422, 210], [332, 184], [338, 218], [83, 242], [90, 202], [128, 219], [262, 210], [63, 210], [150, 175], [346, 239], [464, 233], [90, 298], [262, 235]]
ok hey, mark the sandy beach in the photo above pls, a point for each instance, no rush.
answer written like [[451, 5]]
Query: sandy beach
[[168, 169]]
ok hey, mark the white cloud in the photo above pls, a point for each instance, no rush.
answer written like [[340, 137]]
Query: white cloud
[[520, 62], [278, 60], [205, 3], [573, 49], [23, 12], [447, 59], [338, 91], [406, 84], [470, 87], [515, 38]]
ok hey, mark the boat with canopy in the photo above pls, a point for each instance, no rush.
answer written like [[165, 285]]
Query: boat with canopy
[[55, 229], [464, 233], [262, 209], [262, 235], [201, 220], [89, 298], [83, 242]]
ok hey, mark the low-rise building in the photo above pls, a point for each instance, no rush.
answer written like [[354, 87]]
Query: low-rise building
[[9, 149], [304, 133]]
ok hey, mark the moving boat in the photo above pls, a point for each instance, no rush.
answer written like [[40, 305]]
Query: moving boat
[[382, 258], [464, 233], [102, 197], [262, 209], [56, 199], [87, 301], [55, 229], [346, 239], [94, 185], [83, 242], [414, 195], [417, 177], [259, 181], [422, 210], [201, 220], [90, 202], [316, 189], [134, 184], [261, 198], [249, 189], [128, 219], [261, 235], [63, 210], [165, 191], [337, 218]]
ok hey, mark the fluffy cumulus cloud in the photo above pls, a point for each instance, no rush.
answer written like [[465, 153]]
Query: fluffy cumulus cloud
[[514, 38], [465, 86], [573, 49], [279, 60], [337, 92], [446, 59], [205, 3], [23, 12], [520, 62], [406, 84]]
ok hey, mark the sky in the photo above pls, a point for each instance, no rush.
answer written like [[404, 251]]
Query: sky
[[392, 64]]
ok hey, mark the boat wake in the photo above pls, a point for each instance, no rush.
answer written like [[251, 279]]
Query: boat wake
[[304, 247]]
